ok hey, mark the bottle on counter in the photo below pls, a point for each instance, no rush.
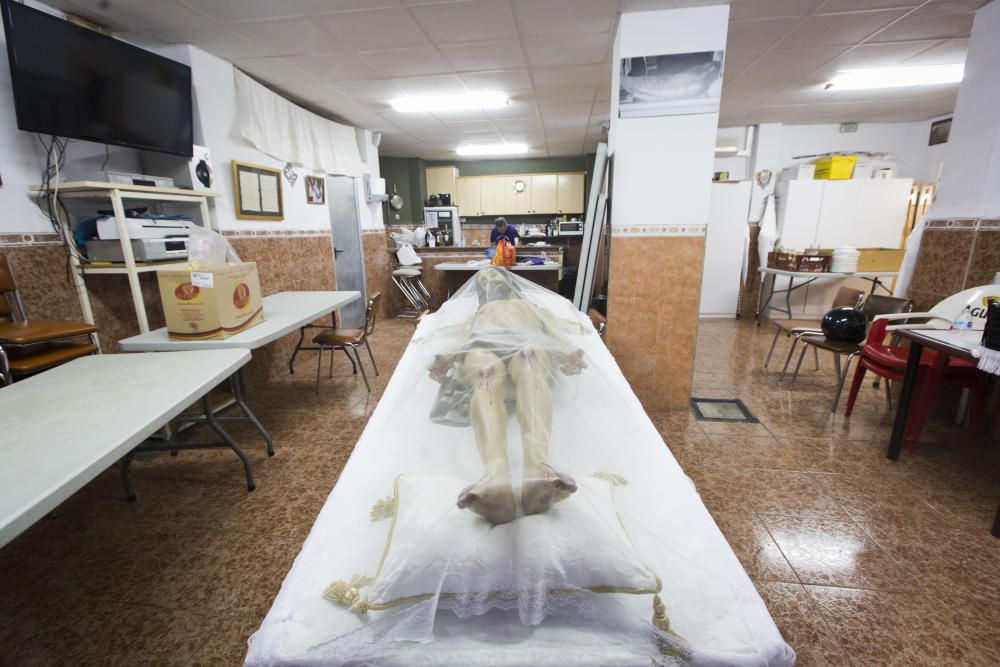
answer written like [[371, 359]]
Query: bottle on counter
[[964, 320], [447, 237], [431, 239]]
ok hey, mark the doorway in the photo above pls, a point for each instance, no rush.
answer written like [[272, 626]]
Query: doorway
[[348, 253]]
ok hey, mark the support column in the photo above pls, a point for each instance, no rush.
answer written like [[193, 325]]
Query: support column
[[661, 184]]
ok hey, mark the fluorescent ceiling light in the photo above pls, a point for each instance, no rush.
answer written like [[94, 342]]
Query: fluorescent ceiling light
[[462, 102], [895, 77], [726, 149], [492, 149]]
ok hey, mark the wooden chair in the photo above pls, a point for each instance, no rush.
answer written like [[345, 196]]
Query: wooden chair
[[350, 339], [32, 346], [846, 296]]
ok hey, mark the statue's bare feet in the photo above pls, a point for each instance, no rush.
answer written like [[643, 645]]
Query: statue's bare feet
[[490, 499], [544, 487]]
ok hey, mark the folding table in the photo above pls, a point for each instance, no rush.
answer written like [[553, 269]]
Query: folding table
[[63, 427], [807, 278]]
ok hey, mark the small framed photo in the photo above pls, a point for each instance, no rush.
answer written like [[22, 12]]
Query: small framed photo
[[939, 132], [315, 190]]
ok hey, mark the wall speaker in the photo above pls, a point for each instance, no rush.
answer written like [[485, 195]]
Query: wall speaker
[[194, 174]]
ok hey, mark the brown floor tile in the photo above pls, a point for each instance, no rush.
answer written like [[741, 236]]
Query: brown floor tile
[[802, 625], [754, 546]]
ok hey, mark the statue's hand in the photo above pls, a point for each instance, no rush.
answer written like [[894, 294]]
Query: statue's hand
[[572, 362], [440, 366]]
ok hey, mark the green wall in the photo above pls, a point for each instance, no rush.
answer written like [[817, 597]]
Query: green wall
[[409, 177]]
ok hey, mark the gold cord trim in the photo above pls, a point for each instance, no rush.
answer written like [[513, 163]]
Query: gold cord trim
[[611, 478]]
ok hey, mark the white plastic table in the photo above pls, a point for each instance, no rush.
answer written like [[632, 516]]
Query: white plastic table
[[807, 278], [284, 313], [63, 427], [462, 266]]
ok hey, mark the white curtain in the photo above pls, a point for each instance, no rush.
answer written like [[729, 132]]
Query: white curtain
[[287, 132]]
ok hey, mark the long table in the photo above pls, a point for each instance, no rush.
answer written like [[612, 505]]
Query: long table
[[546, 275], [807, 278], [948, 343], [63, 427]]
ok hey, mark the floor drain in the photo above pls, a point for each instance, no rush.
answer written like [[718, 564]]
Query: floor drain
[[721, 410]]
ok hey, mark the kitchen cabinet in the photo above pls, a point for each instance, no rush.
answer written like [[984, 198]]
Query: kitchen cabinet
[[543, 193], [441, 179], [518, 195], [569, 193], [468, 196], [492, 195]]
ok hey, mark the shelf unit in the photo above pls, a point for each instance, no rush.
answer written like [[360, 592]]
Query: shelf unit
[[117, 194]]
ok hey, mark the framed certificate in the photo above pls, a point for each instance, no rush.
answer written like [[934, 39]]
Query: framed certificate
[[257, 192]]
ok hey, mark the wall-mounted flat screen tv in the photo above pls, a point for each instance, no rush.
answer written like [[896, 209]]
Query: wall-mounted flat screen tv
[[73, 82]]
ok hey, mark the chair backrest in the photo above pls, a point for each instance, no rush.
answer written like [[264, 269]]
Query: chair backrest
[[11, 306], [975, 297], [370, 311], [879, 304], [848, 296]]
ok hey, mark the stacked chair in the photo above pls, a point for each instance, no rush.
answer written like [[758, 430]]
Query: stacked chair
[[32, 346], [407, 278]]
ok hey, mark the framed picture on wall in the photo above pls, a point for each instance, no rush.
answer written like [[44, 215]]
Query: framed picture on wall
[[257, 192], [673, 84], [939, 132], [315, 190]]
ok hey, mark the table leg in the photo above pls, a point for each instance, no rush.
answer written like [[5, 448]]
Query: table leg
[[996, 525], [234, 381], [905, 396], [206, 405], [295, 352], [788, 296], [761, 303], [127, 476]]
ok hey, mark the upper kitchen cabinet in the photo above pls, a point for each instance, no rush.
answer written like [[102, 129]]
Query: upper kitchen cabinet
[[468, 196], [569, 193], [518, 195], [441, 179], [543, 193], [492, 195]]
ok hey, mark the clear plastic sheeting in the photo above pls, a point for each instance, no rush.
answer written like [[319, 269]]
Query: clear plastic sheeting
[[510, 503]]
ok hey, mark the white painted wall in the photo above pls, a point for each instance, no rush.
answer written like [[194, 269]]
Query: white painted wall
[[970, 184]]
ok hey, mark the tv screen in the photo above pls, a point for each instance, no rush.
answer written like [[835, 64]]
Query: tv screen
[[73, 82]]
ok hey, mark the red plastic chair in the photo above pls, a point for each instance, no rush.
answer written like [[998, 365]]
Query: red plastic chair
[[889, 361]]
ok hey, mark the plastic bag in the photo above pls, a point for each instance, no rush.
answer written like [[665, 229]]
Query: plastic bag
[[208, 249], [505, 253]]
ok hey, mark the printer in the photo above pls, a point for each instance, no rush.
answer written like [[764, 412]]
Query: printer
[[153, 239]]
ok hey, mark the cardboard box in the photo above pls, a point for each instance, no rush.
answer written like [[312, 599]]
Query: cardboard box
[[835, 167], [211, 304], [880, 259]]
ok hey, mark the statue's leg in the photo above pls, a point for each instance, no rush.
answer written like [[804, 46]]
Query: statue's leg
[[492, 497], [531, 370]]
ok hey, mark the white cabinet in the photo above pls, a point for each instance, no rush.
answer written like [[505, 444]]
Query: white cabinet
[[441, 179], [518, 195], [468, 196], [725, 240], [492, 195], [543, 194], [569, 193]]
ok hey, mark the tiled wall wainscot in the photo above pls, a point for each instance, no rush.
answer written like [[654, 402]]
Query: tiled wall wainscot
[[954, 255]]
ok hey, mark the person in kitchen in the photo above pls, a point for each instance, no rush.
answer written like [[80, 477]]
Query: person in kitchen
[[503, 230]]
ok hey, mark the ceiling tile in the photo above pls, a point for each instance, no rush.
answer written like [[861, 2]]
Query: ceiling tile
[[569, 75], [438, 84], [758, 35], [288, 37], [134, 15], [517, 125], [273, 70], [373, 30], [558, 109], [947, 52], [475, 56], [877, 55], [936, 20], [794, 63], [340, 67], [504, 80], [407, 62], [219, 40], [546, 95], [369, 89], [566, 50], [469, 21], [737, 63], [235, 10], [834, 6], [563, 150], [838, 29], [761, 9], [470, 126], [561, 17], [522, 105]]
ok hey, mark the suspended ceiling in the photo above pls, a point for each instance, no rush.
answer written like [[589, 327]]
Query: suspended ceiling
[[347, 58]]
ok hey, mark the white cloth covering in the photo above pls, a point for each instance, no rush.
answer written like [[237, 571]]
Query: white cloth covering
[[709, 599], [285, 131]]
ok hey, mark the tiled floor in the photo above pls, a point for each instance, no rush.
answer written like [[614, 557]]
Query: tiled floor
[[861, 561]]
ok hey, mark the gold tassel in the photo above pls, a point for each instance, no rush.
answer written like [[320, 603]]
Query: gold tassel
[[660, 621], [346, 592], [383, 509], [611, 478]]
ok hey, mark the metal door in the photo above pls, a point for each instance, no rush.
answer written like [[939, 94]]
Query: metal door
[[349, 257]]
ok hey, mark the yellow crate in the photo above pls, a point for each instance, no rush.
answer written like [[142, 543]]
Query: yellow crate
[[835, 167]]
